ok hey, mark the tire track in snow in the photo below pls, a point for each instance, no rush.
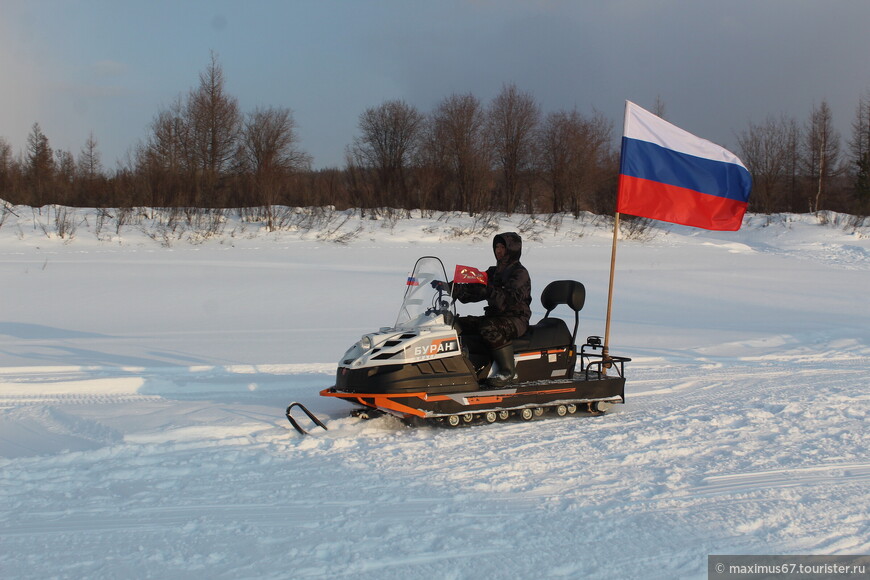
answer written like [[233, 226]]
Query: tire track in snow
[[835, 474]]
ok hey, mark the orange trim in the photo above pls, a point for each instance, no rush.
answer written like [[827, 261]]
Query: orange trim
[[426, 397], [327, 393], [380, 401], [549, 391], [540, 353], [387, 403], [484, 400]]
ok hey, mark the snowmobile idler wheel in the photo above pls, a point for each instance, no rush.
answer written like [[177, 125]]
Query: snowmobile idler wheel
[[490, 416], [364, 414], [572, 408], [561, 410], [467, 417], [504, 415], [415, 422], [538, 411], [452, 420], [527, 414]]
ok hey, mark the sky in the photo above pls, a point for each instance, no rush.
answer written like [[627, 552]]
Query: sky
[[108, 67]]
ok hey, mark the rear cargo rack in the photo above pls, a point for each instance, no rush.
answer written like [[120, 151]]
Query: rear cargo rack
[[599, 363]]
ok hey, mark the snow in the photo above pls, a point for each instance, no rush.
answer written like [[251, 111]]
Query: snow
[[143, 381]]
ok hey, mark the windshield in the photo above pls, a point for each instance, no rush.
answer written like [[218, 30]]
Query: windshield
[[421, 300]]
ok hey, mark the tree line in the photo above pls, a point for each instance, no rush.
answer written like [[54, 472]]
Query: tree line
[[464, 155]]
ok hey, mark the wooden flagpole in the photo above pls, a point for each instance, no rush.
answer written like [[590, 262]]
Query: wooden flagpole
[[606, 349]]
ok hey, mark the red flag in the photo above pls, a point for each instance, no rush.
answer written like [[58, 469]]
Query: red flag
[[468, 275]]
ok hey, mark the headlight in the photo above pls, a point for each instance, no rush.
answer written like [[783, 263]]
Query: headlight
[[366, 342]]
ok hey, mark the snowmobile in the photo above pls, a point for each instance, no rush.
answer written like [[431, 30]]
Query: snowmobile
[[422, 370]]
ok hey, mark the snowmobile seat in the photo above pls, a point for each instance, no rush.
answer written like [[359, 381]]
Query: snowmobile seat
[[553, 332], [548, 332]]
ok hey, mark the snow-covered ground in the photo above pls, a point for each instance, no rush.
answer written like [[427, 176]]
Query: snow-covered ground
[[143, 381]]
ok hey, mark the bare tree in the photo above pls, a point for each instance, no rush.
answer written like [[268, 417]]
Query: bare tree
[[433, 178], [65, 175], [270, 142], [39, 164], [90, 181], [389, 141], [214, 122], [658, 107], [325, 187], [574, 156], [513, 118], [193, 144], [6, 168], [358, 182], [270, 153], [821, 155], [859, 147], [166, 156], [859, 144], [768, 149], [169, 140], [458, 148], [556, 157], [90, 166]]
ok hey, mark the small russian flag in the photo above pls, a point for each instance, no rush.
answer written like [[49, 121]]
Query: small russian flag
[[412, 281]]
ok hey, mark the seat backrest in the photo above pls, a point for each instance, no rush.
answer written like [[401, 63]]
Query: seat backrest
[[568, 292]]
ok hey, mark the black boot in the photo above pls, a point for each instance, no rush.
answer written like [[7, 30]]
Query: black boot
[[507, 371]]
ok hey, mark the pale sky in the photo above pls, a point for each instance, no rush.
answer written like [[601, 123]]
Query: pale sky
[[109, 66]]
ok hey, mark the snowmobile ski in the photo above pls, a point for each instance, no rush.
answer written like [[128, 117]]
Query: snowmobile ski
[[305, 410]]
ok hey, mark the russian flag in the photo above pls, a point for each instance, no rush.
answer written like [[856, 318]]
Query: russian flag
[[668, 174]]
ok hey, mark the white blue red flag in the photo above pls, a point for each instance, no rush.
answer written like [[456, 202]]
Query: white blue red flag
[[668, 174]]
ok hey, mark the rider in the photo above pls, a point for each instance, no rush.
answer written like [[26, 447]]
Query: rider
[[508, 293]]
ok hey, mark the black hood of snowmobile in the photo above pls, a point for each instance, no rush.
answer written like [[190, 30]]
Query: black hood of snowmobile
[[512, 242]]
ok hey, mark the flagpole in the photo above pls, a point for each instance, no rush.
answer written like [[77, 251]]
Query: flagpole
[[605, 351], [606, 348]]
